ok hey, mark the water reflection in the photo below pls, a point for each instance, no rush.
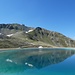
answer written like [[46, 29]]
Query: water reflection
[[20, 60]]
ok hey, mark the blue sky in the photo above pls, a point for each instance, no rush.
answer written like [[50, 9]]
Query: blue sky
[[55, 15]]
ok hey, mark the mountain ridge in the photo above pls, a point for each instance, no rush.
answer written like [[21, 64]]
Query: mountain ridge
[[19, 35]]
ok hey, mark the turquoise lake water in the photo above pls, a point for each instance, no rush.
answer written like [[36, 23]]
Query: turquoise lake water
[[37, 62]]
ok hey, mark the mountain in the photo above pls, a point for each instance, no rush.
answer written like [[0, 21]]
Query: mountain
[[17, 35], [51, 37], [12, 28]]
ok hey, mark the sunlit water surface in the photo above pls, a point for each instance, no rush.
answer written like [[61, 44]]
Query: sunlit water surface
[[37, 62]]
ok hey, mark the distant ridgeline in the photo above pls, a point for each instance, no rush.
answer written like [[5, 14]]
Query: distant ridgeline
[[14, 26], [17, 35]]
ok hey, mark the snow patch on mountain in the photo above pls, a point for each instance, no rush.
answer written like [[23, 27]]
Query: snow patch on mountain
[[29, 31], [10, 35]]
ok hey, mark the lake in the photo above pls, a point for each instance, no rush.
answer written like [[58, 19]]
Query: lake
[[45, 61]]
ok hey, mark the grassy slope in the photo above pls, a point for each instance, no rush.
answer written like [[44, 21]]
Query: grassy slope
[[52, 38]]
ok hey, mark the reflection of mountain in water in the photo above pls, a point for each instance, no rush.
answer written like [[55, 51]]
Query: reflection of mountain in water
[[52, 57], [17, 61]]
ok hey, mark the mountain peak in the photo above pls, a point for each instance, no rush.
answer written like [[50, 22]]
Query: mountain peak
[[38, 28]]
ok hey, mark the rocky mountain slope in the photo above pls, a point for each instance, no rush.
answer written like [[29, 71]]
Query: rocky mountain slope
[[16, 35]]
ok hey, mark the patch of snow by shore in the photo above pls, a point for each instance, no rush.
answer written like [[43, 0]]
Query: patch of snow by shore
[[40, 47], [10, 35]]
